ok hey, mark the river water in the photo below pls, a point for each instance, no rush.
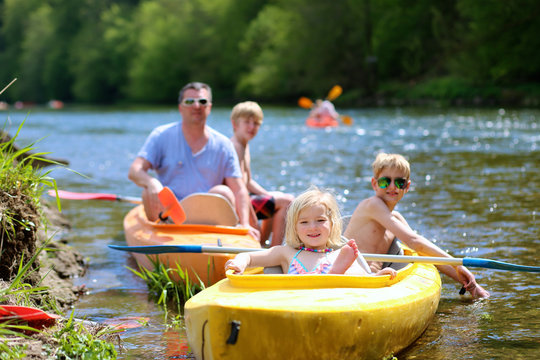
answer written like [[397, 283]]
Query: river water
[[475, 192]]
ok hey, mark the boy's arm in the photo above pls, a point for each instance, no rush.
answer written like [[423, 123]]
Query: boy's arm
[[397, 224], [243, 204], [255, 188]]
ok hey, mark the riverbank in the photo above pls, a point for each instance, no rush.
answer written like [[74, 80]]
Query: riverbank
[[37, 267]]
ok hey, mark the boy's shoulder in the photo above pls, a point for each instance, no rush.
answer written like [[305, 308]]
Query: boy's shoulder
[[369, 203], [370, 208]]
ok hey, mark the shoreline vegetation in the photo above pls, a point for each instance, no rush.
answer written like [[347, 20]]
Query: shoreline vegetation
[[37, 266], [435, 93], [380, 52]]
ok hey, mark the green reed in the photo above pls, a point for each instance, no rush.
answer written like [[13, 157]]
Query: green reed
[[165, 289]]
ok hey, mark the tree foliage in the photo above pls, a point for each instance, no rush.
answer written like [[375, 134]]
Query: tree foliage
[[104, 51]]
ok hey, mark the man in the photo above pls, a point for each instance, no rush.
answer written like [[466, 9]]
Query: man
[[189, 157]]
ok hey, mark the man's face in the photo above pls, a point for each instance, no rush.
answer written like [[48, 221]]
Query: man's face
[[193, 107]]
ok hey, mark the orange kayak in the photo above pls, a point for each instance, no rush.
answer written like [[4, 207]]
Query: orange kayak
[[323, 121], [210, 268]]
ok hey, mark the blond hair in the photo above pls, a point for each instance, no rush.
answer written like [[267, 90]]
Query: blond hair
[[247, 109], [391, 161], [311, 197]]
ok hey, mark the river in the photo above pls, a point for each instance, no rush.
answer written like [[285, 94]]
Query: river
[[475, 192]]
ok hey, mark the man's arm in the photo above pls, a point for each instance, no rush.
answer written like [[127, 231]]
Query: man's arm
[[243, 204], [138, 173]]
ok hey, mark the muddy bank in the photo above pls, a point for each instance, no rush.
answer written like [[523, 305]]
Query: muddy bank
[[56, 265], [59, 267]]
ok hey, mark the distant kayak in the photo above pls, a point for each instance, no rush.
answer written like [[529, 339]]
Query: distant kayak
[[323, 121]]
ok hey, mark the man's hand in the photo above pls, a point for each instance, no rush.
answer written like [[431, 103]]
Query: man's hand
[[254, 233], [152, 205]]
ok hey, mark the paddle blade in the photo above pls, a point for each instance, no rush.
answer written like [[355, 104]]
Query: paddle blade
[[172, 206], [305, 103], [346, 120], [62, 194], [69, 195], [35, 318], [498, 265], [159, 249], [334, 92]]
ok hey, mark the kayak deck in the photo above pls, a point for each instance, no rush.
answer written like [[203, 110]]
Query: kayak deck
[[209, 268]]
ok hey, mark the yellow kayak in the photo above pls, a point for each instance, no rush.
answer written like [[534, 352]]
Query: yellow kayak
[[312, 316], [208, 267]]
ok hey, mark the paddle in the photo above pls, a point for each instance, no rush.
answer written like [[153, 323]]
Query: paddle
[[37, 318], [62, 194], [334, 93], [166, 196], [470, 262]]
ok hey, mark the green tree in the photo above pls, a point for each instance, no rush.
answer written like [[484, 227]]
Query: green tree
[[15, 19], [408, 37], [297, 47], [37, 42], [100, 68], [162, 55], [499, 41]]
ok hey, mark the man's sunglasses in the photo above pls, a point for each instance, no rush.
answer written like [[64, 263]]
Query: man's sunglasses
[[384, 182], [191, 102]]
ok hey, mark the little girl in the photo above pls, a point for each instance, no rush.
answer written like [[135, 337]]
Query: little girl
[[312, 232]]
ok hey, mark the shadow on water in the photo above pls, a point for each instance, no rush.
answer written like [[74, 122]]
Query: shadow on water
[[475, 176]]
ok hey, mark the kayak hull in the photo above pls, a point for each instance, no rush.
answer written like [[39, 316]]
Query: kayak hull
[[312, 316], [209, 268], [323, 121]]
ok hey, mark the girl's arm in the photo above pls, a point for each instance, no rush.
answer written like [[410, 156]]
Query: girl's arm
[[271, 257]]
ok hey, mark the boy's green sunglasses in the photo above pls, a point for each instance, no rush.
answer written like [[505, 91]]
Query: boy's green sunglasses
[[384, 182]]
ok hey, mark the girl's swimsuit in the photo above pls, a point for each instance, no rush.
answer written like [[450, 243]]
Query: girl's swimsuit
[[296, 267]]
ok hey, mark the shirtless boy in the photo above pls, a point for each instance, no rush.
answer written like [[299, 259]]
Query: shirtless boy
[[375, 224], [268, 206]]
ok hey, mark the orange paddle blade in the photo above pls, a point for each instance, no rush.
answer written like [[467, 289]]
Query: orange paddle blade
[[334, 92], [305, 103], [172, 206], [346, 120]]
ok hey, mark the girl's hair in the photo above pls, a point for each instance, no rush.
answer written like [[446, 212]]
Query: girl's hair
[[311, 197], [247, 109], [391, 161]]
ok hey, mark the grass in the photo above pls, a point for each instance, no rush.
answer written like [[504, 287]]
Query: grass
[[17, 173], [165, 289]]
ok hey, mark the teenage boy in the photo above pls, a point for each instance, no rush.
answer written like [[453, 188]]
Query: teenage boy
[[375, 224], [268, 206]]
